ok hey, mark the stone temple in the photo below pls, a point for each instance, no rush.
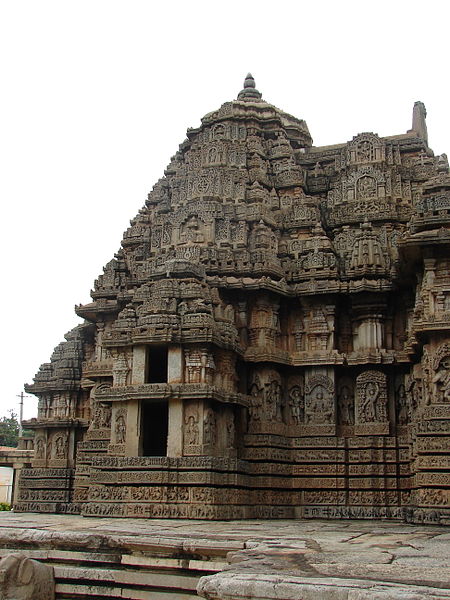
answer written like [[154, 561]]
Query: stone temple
[[272, 339]]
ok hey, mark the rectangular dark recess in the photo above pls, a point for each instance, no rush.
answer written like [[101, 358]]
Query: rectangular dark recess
[[155, 421], [156, 364]]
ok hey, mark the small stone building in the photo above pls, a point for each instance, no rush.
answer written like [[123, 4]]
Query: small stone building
[[272, 340]]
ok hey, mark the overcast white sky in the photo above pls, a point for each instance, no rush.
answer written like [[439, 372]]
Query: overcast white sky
[[96, 96]]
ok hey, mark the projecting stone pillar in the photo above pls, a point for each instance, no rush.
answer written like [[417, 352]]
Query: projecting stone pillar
[[17, 468], [133, 433], [138, 372], [175, 432], [175, 365], [175, 427]]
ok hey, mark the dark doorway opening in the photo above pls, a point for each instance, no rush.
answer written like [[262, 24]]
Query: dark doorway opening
[[156, 364], [155, 421]]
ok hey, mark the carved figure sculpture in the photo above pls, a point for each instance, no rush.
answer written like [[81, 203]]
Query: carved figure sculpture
[[297, 404], [191, 431], [371, 397], [346, 406], [209, 428], [120, 429], [441, 380]]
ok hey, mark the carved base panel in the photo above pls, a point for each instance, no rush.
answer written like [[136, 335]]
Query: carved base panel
[[187, 511], [41, 489], [48, 507], [432, 497], [372, 429], [410, 515], [324, 430]]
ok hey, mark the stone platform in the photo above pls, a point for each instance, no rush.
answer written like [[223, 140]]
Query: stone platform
[[283, 560]]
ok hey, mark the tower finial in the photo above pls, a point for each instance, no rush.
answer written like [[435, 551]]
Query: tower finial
[[249, 81], [419, 124], [249, 91]]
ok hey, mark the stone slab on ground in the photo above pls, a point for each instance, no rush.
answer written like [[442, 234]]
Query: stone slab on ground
[[234, 560]]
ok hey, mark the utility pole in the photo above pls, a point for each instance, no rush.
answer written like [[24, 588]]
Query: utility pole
[[21, 396]]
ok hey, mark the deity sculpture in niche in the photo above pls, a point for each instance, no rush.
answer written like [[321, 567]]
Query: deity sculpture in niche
[[191, 430], [366, 187], [95, 415], [319, 401], [441, 378], [120, 428], [401, 405], [192, 230], [368, 405], [365, 148], [364, 151], [371, 397], [256, 404], [209, 427], [414, 390], [346, 403], [272, 399], [105, 416], [230, 431], [296, 402], [60, 447], [39, 448]]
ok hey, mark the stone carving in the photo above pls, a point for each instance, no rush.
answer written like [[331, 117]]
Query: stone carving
[[371, 397], [120, 426], [441, 378], [60, 446], [39, 447], [120, 370], [319, 400], [230, 431], [346, 402], [259, 272], [256, 402], [296, 401], [191, 430], [200, 365], [209, 427], [101, 416], [401, 403], [23, 578]]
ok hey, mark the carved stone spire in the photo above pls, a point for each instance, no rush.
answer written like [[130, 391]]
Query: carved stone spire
[[249, 91], [419, 124]]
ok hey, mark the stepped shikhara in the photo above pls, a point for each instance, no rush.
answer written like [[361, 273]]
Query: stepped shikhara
[[271, 340]]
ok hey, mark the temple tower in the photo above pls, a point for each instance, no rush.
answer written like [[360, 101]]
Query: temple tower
[[271, 340]]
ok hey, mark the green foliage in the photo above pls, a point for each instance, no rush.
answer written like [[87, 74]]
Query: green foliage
[[5, 506], [9, 430]]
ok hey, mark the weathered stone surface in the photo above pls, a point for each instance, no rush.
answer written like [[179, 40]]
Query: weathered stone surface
[[283, 560], [22, 578], [272, 339]]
